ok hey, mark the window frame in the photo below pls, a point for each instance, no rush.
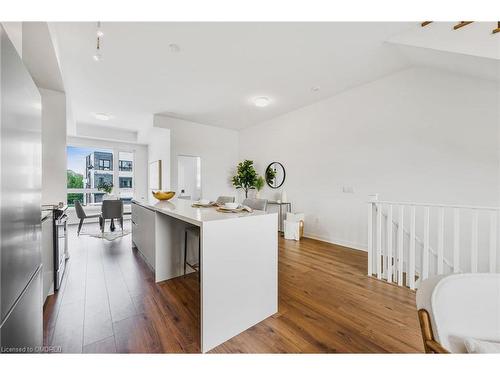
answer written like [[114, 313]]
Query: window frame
[[115, 171]]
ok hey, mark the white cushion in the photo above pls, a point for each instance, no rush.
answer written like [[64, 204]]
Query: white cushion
[[481, 346], [462, 306]]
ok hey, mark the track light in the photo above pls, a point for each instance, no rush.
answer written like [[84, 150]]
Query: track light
[[98, 56]]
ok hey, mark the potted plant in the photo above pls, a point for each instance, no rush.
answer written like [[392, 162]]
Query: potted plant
[[107, 187], [246, 176], [259, 184]]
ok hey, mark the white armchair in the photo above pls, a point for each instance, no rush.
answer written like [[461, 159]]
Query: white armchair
[[459, 311]]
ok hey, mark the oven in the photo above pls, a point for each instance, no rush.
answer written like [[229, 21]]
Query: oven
[[60, 245]]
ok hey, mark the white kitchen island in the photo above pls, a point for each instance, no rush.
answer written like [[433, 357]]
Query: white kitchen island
[[238, 261]]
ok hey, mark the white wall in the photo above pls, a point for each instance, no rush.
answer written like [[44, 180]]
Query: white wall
[[53, 146], [159, 149], [105, 132], [217, 147], [15, 32], [417, 135]]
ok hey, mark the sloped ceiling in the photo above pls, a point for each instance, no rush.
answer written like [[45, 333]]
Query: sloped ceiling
[[472, 50], [39, 56], [221, 67]]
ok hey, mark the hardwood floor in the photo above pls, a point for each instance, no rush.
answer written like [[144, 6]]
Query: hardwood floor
[[109, 303]]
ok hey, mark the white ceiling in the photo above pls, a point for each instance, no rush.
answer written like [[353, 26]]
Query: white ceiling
[[222, 66]]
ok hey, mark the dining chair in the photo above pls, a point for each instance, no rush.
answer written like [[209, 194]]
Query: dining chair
[[111, 209], [224, 199], [255, 203], [80, 213], [194, 232]]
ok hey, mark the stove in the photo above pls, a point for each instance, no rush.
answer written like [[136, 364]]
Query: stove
[[60, 226]]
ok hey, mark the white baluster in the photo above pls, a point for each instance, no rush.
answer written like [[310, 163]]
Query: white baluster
[[400, 244], [493, 240], [456, 240], [440, 255], [411, 263], [389, 244], [379, 241], [370, 238], [425, 254], [473, 253]]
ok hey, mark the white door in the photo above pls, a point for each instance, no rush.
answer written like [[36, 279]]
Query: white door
[[189, 177]]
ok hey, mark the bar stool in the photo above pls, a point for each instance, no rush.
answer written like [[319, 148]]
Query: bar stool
[[195, 231]]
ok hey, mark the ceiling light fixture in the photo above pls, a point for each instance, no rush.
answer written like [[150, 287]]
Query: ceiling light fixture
[[98, 56], [315, 88], [99, 32], [261, 101], [102, 116], [174, 47]]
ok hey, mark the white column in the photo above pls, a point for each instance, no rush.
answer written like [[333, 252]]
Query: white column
[[370, 238]]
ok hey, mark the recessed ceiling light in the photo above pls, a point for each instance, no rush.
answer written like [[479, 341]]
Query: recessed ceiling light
[[174, 47], [102, 116], [261, 101], [315, 88], [97, 56]]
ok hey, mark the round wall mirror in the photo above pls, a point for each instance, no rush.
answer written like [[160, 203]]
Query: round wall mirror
[[275, 175]]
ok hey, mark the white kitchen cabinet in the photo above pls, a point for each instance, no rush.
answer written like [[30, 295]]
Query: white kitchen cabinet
[[238, 261], [143, 232], [48, 255]]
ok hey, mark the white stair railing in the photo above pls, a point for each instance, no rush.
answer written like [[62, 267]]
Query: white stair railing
[[399, 255]]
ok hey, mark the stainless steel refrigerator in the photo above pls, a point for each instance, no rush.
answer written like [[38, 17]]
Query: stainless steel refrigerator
[[21, 327]]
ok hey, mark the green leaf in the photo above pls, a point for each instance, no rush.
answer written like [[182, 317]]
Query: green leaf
[[246, 176]]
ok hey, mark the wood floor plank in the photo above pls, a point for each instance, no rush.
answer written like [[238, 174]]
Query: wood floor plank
[[136, 335], [327, 304], [105, 346]]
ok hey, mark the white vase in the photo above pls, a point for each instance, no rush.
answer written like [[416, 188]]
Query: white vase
[[257, 194]]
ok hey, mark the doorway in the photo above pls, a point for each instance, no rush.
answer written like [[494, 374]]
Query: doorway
[[189, 177]]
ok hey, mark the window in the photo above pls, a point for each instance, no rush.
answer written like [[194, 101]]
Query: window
[[126, 182], [101, 178], [125, 165], [89, 168], [104, 164], [126, 176]]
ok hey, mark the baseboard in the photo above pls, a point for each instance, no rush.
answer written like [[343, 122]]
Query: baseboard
[[335, 241]]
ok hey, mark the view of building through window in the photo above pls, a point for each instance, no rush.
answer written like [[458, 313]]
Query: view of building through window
[[92, 174]]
